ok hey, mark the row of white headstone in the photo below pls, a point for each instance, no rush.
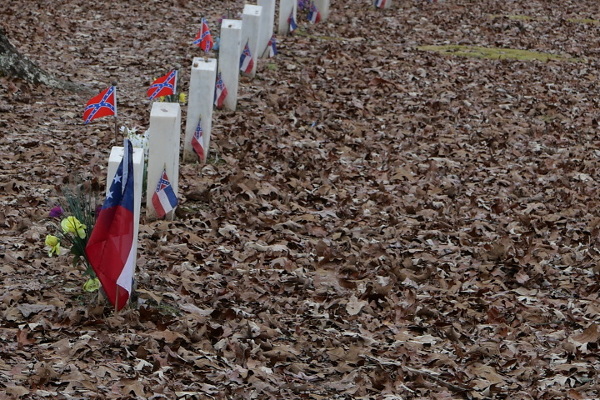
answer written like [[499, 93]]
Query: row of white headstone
[[255, 28]]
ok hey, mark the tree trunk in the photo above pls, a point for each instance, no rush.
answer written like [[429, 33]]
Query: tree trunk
[[12, 63]]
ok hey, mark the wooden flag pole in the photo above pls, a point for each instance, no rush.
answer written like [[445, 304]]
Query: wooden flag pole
[[117, 300], [116, 112]]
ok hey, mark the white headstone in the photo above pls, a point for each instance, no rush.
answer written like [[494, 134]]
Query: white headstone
[[116, 155], [229, 59], [251, 32], [163, 150], [267, 23], [286, 8], [200, 104]]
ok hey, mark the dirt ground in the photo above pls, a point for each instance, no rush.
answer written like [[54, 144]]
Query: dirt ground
[[375, 220]]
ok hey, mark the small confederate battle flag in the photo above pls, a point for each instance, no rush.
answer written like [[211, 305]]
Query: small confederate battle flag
[[164, 86], [204, 39], [101, 105], [246, 61], [197, 141], [220, 91]]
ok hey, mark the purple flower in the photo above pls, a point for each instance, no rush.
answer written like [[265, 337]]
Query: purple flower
[[56, 212]]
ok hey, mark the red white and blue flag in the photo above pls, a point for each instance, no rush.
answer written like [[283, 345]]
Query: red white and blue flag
[[380, 3], [101, 105], [198, 141], [110, 249], [292, 22], [164, 86], [220, 91], [204, 39], [164, 199], [314, 15], [246, 61], [272, 46]]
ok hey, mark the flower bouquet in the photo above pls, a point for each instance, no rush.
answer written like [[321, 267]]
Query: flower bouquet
[[70, 222]]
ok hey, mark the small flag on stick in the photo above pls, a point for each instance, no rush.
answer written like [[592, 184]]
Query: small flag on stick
[[110, 248], [198, 141], [164, 199], [164, 86], [101, 105], [292, 22], [220, 91], [246, 61], [204, 39], [380, 3], [272, 46], [314, 15]]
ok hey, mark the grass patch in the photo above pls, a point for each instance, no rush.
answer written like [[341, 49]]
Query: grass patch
[[517, 17], [495, 53], [587, 21]]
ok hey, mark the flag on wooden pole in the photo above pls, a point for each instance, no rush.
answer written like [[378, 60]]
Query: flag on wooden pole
[[204, 39], [246, 61], [110, 249], [164, 199], [198, 141], [220, 91], [164, 86], [101, 105]]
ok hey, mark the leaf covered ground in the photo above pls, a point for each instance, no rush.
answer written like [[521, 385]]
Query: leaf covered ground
[[375, 221]]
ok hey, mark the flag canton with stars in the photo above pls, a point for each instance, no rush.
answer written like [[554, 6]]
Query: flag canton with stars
[[117, 193], [102, 105]]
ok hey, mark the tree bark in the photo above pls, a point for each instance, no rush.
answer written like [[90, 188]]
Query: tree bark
[[12, 63]]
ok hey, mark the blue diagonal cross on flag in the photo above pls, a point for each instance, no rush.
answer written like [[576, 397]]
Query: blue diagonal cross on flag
[[164, 86], [101, 105]]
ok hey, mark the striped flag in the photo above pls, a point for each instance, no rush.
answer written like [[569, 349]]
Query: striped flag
[[272, 46], [164, 199], [314, 15], [380, 3], [220, 91], [110, 248], [292, 22], [198, 141], [246, 61]]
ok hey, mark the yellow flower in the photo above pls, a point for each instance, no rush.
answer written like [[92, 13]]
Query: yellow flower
[[161, 98], [72, 225], [182, 98], [92, 285], [54, 243]]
